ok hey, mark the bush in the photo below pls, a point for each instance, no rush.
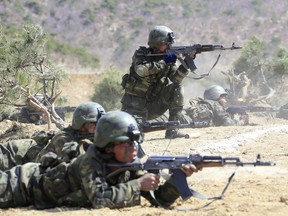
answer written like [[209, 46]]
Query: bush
[[108, 91]]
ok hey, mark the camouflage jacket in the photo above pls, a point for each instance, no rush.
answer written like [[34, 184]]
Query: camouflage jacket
[[88, 174], [81, 183], [14, 152], [67, 144], [210, 111], [148, 74], [56, 145]]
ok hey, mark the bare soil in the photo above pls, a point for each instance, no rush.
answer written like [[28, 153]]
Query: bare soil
[[253, 190]]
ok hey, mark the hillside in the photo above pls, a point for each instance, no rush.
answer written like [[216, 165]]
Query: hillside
[[112, 30]]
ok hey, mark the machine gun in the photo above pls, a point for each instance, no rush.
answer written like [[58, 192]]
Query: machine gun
[[174, 163], [29, 115], [241, 110], [164, 125], [189, 51]]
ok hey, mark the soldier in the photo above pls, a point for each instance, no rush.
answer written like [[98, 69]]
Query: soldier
[[85, 117], [212, 108], [153, 85], [80, 132], [84, 181]]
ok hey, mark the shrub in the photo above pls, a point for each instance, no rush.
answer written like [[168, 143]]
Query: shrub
[[108, 91]]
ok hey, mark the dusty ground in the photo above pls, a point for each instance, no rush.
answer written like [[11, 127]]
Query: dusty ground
[[253, 190]]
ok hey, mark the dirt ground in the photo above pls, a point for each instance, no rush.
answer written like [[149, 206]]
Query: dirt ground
[[253, 190]]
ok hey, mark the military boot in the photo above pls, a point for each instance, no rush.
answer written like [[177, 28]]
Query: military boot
[[175, 133]]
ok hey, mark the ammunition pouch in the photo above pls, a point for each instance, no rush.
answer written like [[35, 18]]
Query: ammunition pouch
[[133, 85], [155, 90]]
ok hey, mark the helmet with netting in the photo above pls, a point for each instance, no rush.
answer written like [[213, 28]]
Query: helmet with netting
[[214, 92], [85, 113], [160, 35], [115, 127]]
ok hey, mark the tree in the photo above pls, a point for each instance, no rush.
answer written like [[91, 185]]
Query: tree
[[26, 71], [256, 76]]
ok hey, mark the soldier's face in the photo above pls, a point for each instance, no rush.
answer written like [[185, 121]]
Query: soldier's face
[[125, 152], [163, 47], [91, 127], [222, 100]]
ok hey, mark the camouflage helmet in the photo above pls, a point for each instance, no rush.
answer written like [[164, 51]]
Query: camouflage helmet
[[214, 92], [116, 126], [160, 35], [85, 113]]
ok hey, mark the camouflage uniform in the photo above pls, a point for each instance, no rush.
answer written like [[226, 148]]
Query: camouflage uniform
[[56, 144], [67, 143], [149, 95], [211, 111], [152, 87], [84, 181], [17, 152], [81, 183], [85, 113]]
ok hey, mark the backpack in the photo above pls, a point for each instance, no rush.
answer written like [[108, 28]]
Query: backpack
[[199, 110]]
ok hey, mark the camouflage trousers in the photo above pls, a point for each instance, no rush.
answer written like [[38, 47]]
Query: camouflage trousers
[[16, 185], [31, 184], [17, 152], [148, 107]]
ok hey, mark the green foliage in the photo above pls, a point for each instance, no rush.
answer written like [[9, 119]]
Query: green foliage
[[155, 3], [88, 16], [110, 5], [279, 65], [230, 12], [34, 6], [24, 65], [108, 92], [251, 56], [85, 59], [136, 22]]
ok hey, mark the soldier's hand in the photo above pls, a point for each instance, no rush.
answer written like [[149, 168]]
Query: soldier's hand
[[189, 169], [170, 58], [245, 118], [149, 181]]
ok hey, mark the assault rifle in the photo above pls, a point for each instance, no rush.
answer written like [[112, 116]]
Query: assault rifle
[[186, 51], [174, 163], [156, 126], [241, 110]]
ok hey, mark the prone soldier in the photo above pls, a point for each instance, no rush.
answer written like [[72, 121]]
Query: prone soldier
[[66, 143], [84, 182]]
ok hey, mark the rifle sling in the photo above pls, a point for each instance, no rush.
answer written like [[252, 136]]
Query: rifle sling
[[186, 194], [200, 76], [213, 199]]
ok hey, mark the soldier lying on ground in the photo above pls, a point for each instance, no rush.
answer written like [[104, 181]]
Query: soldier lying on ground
[[83, 182], [212, 108], [16, 152]]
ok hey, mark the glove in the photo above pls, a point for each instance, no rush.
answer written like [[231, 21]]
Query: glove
[[170, 58]]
